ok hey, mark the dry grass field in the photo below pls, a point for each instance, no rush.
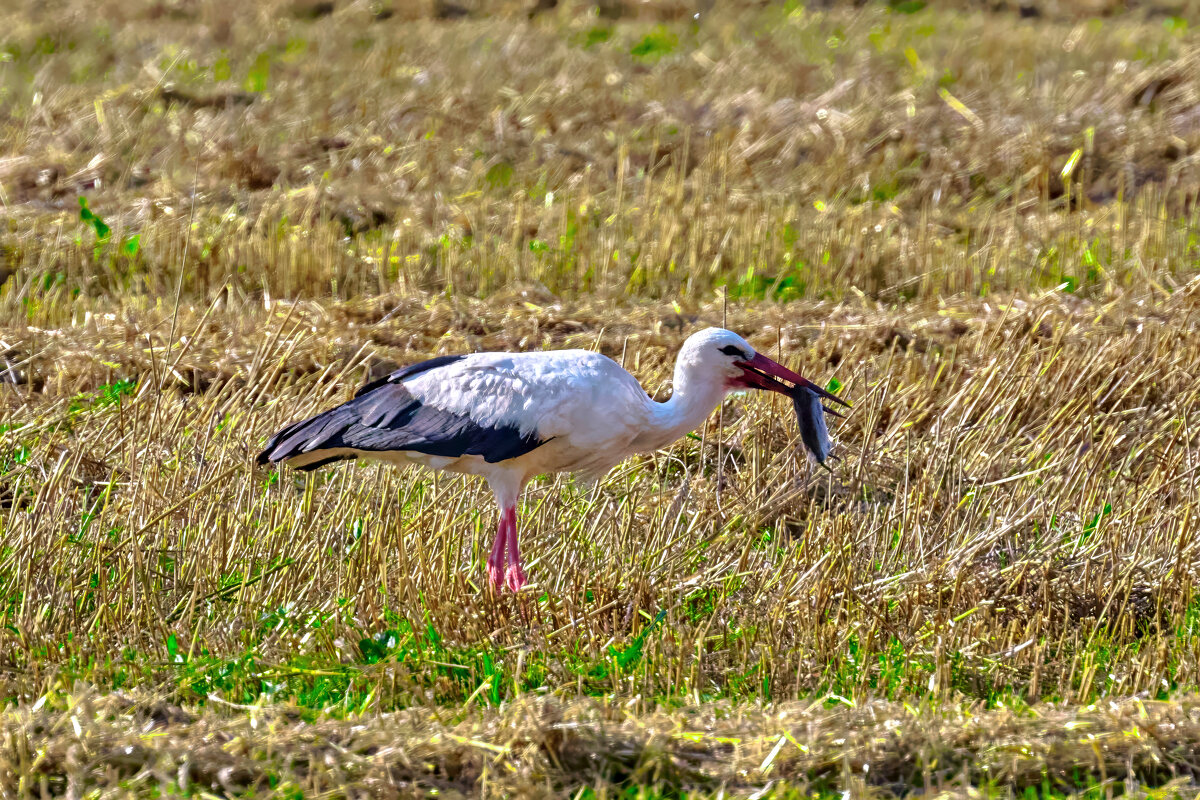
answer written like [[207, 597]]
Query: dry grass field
[[976, 223]]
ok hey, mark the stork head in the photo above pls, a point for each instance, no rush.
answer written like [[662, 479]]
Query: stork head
[[726, 355]]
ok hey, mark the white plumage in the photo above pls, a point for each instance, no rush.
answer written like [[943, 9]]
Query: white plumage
[[508, 417]]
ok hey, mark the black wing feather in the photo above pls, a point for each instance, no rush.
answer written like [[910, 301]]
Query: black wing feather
[[323, 462], [407, 372], [384, 416]]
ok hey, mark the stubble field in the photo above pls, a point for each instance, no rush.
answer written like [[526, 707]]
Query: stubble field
[[977, 225]]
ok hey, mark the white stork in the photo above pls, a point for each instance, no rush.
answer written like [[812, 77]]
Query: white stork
[[508, 417]]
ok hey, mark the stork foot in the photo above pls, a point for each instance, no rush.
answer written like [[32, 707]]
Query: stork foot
[[495, 573], [515, 579], [497, 559]]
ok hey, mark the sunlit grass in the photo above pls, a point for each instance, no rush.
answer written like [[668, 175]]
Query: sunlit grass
[[991, 251]]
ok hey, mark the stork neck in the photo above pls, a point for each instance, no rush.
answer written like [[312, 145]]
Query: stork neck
[[692, 399]]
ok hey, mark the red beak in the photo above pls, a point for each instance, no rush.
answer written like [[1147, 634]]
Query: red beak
[[761, 372]]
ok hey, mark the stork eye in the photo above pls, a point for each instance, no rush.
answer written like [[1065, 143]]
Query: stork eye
[[732, 350]]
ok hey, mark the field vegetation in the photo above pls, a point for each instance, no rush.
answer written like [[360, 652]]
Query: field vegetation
[[977, 224]]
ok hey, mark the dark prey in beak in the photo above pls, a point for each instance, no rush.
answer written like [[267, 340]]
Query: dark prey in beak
[[761, 372], [810, 415]]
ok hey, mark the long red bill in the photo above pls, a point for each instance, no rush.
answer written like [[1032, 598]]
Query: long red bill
[[761, 372]]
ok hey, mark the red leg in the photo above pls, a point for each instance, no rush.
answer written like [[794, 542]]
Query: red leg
[[495, 562], [514, 577]]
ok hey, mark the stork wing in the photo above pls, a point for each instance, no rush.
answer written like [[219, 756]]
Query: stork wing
[[398, 413], [578, 395]]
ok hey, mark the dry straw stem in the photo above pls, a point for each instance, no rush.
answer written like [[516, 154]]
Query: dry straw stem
[[548, 748]]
